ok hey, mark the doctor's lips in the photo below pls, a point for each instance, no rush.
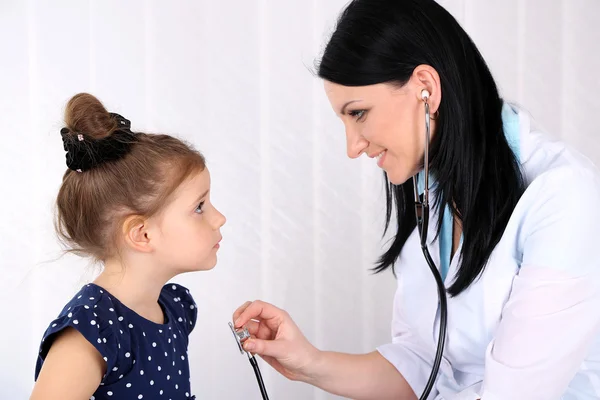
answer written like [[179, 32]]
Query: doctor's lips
[[380, 156]]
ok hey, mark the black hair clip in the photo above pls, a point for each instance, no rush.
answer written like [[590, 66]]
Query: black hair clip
[[85, 152]]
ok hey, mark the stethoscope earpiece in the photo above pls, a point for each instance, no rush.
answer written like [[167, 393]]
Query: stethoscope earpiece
[[425, 94]]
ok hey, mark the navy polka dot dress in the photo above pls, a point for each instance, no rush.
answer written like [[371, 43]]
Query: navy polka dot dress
[[144, 360]]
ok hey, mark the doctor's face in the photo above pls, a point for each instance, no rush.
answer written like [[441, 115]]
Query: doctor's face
[[385, 122]]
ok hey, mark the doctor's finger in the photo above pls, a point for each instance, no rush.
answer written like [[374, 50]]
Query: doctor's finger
[[240, 309], [259, 330], [260, 310]]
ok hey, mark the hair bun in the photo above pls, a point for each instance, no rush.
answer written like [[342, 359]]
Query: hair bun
[[93, 135]]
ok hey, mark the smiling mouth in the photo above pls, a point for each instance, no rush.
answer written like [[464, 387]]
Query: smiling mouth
[[380, 157]]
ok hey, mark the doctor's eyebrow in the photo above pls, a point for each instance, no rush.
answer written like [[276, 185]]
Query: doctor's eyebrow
[[343, 109]]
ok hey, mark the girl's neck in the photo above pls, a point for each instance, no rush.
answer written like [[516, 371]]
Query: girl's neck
[[137, 288]]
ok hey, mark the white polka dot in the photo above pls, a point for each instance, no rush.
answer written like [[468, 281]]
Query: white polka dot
[[95, 315], [134, 361], [127, 355], [149, 358], [109, 393], [160, 331], [99, 340], [79, 296], [153, 344], [68, 308], [169, 340], [191, 323], [180, 319], [187, 394], [110, 321], [120, 330], [111, 309], [104, 340], [130, 326], [53, 325], [141, 396], [128, 385], [144, 333], [173, 363], [96, 306], [115, 368], [91, 298], [192, 307], [105, 359], [101, 291], [70, 315], [176, 386], [120, 318], [161, 392], [166, 355], [174, 336], [92, 398], [174, 287], [120, 376], [182, 357], [168, 377], [151, 383], [93, 322], [86, 307], [119, 344], [159, 368], [179, 372], [142, 372]]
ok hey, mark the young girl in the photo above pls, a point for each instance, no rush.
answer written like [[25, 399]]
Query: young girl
[[139, 204]]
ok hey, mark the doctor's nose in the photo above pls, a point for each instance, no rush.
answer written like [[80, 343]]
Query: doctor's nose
[[355, 144]]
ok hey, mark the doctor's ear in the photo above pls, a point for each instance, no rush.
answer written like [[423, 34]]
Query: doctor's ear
[[426, 81], [136, 234]]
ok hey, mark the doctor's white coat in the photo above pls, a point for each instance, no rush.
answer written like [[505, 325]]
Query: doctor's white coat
[[529, 327]]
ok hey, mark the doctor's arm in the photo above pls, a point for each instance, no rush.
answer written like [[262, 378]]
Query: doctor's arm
[[277, 339], [553, 314]]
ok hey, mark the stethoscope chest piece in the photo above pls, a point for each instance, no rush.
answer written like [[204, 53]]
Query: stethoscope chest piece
[[240, 335]]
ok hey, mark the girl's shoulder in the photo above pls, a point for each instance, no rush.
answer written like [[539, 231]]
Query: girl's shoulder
[[179, 301], [96, 315]]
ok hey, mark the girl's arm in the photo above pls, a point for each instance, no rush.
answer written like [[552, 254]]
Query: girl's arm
[[72, 370]]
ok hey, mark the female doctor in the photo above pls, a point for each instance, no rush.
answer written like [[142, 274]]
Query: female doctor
[[515, 221]]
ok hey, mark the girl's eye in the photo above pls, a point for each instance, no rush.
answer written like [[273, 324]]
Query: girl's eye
[[199, 209], [357, 114]]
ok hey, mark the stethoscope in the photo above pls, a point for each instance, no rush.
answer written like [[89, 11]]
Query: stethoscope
[[241, 335], [422, 216]]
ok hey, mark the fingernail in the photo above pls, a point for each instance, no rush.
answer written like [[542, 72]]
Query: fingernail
[[249, 346], [236, 324]]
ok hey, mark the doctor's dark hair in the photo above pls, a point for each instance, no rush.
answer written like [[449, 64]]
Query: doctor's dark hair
[[383, 41], [92, 204]]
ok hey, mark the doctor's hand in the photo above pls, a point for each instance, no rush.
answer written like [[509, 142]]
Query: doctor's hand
[[277, 339]]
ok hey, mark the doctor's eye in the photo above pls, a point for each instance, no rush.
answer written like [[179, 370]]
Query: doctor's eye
[[200, 208], [357, 114]]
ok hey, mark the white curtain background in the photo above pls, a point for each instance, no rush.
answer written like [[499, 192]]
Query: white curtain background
[[234, 78]]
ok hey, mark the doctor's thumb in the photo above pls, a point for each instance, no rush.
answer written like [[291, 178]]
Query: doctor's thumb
[[270, 348]]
